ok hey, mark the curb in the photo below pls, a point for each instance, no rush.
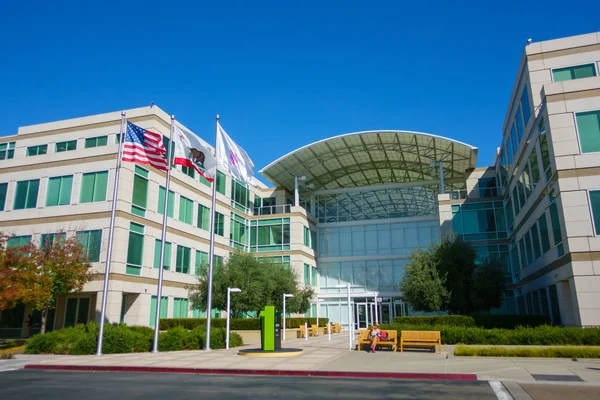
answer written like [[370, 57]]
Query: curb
[[224, 371]]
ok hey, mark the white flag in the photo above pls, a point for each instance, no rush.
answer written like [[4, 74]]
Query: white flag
[[192, 152], [233, 158]]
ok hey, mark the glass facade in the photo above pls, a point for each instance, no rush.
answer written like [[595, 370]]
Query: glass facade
[[270, 234], [588, 127], [59, 191], [479, 221], [93, 187]]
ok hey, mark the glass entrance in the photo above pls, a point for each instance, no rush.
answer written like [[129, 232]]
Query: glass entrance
[[385, 313], [361, 316]]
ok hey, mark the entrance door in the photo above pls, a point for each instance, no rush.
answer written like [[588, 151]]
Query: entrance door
[[361, 316], [399, 308]]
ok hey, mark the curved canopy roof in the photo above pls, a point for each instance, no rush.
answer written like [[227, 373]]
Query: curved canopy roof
[[373, 158]]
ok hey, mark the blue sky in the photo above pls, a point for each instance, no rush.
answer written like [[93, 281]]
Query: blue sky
[[281, 74]]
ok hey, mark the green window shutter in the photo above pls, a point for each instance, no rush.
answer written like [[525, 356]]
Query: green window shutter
[[219, 224], [167, 260], [102, 141], [186, 210], [221, 182], [53, 192], [562, 74], [307, 274], [101, 182], [140, 191], [3, 191], [89, 142], [306, 236], [595, 206], [26, 194], [164, 304], [183, 260], [203, 220], [161, 202], [588, 127], [314, 276], [95, 243], [17, 241], [584, 71], [59, 191], [87, 188], [201, 261], [135, 249], [66, 186]]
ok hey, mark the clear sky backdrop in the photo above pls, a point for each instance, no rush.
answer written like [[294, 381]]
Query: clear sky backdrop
[[281, 73]]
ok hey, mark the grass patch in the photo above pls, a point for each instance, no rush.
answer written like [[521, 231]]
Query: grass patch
[[543, 352]]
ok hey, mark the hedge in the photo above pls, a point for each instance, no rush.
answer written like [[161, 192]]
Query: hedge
[[542, 335], [119, 338], [235, 324], [553, 352], [484, 321]]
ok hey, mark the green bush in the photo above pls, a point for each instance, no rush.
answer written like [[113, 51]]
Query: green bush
[[437, 320], [510, 321], [540, 336], [236, 324], [180, 338], [555, 352]]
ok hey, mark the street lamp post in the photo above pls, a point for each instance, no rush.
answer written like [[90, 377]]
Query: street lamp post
[[285, 296], [350, 328], [229, 291]]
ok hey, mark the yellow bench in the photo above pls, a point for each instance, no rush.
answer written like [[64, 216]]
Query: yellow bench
[[392, 339], [420, 338], [311, 331]]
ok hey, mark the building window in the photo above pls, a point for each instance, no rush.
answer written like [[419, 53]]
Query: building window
[[203, 180], [535, 238], [203, 221], [140, 192], [135, 249], [201, 262], [189, 171], [588, 128], [161, 202], [48, 240], [180, 308], [186, 210], [270, 235], [66, 146], [556, 228], [219, 224], [164, 304], [3, 192], [488, 187], [314, 276], [313, 240], [525, 105], [59, 191], [306, 237], [93, 187], [18, 241], [182, 263], [544, 150], [27, 194], [545, 237], [515, 138], [157, 251], [240, 195], [570, 73], [7, 150], [37, 150], [239, 232], [306, 274], [221, 181], [520, 126], [595, 207], [96, 141], [535, 168], [481, 221], [91, 242]]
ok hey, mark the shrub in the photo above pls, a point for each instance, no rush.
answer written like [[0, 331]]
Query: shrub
[[236, 324], [542, 335], [437, 320], [510, 321], [556, 352]]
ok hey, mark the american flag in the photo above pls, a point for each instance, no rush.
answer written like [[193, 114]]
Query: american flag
[[144, 147]]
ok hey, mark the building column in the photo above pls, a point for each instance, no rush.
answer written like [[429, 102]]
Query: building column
[[113, 307], [565, 301]]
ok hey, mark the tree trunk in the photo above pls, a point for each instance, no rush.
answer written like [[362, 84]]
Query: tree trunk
[[44, 318]]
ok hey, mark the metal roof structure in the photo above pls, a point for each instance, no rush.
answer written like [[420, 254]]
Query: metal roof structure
[[373, 158]]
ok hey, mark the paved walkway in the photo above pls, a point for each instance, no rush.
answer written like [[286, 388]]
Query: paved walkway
[[320, 354]]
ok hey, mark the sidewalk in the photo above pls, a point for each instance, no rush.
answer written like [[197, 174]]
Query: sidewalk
[[320, 354]]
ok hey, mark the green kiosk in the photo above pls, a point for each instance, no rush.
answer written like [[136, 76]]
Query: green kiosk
[[270, 337]]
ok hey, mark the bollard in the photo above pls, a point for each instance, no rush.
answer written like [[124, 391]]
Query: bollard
[[305, 331], [329, 330]]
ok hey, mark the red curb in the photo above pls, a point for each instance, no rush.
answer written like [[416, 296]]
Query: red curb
[[337, 374]]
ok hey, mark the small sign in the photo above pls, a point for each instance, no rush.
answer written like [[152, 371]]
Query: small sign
[[379, 299]]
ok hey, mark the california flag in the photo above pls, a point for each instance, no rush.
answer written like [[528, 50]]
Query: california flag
[[193, 152]]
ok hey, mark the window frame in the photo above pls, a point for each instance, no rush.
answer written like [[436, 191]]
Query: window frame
[[38, 147], [595, 229], [575, 66], [581, 152], [66, 143]]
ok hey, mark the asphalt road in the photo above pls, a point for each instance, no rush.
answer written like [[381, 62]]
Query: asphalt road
[[58, 385]]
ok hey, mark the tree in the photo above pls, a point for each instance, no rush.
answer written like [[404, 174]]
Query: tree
[[455, 260], [262, 282], [16, 273], [446, 277], [423, 287], [60, 266], [488, 284]]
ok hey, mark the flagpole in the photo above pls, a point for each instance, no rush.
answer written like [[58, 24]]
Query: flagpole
[[111, 232], [163, 239], [211, 251]]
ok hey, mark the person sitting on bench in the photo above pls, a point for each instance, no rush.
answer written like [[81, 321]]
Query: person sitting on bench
[[375, 336]]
